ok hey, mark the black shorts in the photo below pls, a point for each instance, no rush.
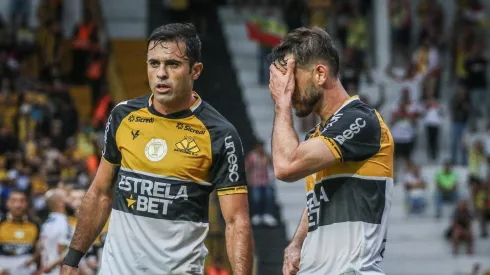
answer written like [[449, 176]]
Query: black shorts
[[404, 149]]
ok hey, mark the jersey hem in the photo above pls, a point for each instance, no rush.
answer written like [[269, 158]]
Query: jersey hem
[[232, 190]]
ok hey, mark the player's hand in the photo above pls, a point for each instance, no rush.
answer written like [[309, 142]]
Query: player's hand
[[292, 256], [281, 82], [69, 270]]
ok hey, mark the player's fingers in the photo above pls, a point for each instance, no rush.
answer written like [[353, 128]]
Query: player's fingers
[[291, 64], [274, 70], [285, 269], [292, 269], [280, 67]]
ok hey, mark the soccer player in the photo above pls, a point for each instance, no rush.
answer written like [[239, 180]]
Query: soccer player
[[347, 160], [18, 236], [164, 153]]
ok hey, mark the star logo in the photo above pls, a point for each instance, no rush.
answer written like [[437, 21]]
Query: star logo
[[130, 201]]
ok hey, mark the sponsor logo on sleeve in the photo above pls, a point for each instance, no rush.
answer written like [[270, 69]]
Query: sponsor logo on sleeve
[[354, 129], [232, 159]]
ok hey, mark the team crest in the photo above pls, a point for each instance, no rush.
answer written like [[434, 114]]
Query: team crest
[[156, 149]]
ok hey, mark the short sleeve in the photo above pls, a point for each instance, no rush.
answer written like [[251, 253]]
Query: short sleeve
[[111, 152], [354, 136], [228, 172]]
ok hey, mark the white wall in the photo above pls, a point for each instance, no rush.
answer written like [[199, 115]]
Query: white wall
[[126, 18]]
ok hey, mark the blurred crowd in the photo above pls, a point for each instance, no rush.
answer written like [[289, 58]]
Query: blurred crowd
[[423, 106], [48, 154]]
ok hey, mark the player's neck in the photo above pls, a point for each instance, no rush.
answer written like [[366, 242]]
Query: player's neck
[[13, 218], [332, 100], [169, 108]]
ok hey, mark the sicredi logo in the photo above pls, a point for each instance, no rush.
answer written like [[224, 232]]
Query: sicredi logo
[[354, 128], [188, 128], [232, 159], [133, 118]]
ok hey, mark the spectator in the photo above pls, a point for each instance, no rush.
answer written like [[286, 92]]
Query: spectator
[[476, 82], [460, 110], [404, 128], [85, 42], [446, 187], [426, 59], [401, 22], [18, 234], [432, 121], [410, 82], [415, 187], [482, 206], [461, 228], [257, 165], [477, 168], [54, 233], [431, 18]]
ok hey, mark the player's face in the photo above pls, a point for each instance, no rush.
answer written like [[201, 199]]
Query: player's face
[[17, 204], [76, 198], [170, 78], [306, 94]]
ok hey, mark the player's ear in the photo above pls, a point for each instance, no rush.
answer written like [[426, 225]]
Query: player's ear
[[196, 70], [321, 74]]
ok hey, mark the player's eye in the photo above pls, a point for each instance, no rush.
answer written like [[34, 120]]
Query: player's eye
[[153, 63], [173, 64]]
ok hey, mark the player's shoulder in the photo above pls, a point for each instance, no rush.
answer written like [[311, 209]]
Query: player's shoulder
[[124, 108], [214, 121], [33, 221], [353, 115]]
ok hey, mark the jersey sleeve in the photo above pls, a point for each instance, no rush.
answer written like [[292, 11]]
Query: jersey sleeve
[[228, 172], [111, 151], [355, 136]]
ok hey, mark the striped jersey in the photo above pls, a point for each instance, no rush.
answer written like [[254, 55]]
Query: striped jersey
[[169, 165], [348, 203]]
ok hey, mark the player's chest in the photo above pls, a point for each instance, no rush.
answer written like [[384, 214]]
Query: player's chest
[[162, 145], [17, 233]]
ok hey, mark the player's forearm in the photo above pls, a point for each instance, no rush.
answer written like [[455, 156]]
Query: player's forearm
[[95, 210], [284, 140], [302, 231], [239, 245]]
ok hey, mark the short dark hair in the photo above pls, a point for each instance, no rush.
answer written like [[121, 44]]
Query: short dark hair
[[18, 191], [185, 32], [307, 45]]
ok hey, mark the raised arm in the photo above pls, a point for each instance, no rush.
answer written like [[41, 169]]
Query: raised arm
[[239, 243]]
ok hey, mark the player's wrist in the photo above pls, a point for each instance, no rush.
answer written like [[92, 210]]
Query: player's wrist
[[283, 104], [73, 257]]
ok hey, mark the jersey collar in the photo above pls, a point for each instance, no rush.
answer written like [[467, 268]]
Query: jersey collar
[[11, 218], [351, 99], [180, 114]]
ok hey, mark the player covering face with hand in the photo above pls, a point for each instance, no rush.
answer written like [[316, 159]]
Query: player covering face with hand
[[347, 160]]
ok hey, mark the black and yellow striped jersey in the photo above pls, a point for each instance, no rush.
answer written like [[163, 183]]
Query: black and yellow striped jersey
[[348, 203], [18, 238], [169, 165]]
